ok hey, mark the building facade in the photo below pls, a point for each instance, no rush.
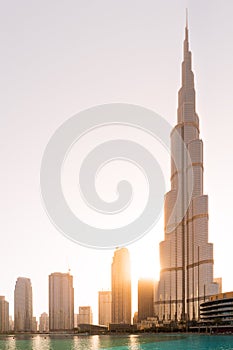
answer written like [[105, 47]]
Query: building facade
[[61, 302], [218, 280], [105, 307], [23, 309], [11, 324], [34, 324], [4, 315], [44, 323], [186, 256], [218, 309], [85, 315], [135, 318], [145, 299], [121, 287]]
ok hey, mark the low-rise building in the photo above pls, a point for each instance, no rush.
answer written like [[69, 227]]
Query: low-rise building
[[148, 323], [218, 309], [85, 315], [122, 328]]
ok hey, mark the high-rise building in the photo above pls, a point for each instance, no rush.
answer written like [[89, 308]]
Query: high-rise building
[[61, 302], [85, 315], [145, 299], [121, 287], [44, 323], [186, 256], [4, 315], [23, 305], [105, 307]]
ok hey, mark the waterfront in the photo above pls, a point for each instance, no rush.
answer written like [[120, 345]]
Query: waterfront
[[130, 342]]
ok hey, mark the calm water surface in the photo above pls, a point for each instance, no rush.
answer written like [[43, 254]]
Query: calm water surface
[[131, 342]]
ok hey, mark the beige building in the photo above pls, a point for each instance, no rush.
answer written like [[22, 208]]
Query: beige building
[[148, 323], [4, 315], [11, 324], [218, 280], [61, 302], [75, 320], [121, 287], [34, 324], [105, 307], [44, 323], [85, 315], [23, 309], [186, 256], [135, 318], [145, 299]]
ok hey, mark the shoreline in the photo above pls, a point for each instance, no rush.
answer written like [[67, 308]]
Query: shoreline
[[139, 334]]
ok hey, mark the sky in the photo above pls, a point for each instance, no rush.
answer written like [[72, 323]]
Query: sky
[[61, 57]]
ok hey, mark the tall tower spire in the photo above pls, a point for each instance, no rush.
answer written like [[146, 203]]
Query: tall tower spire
[[186, 27], [186, 96], [186, 256], [186, 18]]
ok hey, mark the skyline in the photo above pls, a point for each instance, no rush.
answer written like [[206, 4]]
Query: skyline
[[23, 126], [61, 297]]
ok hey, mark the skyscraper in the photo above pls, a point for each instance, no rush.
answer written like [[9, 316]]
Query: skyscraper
[[105, 307], [61, 302], [186, 256], [4, 315], [23, 305], [121, 287], [145, 299]]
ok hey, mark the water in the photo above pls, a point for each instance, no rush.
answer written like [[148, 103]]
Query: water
[[131, 342]]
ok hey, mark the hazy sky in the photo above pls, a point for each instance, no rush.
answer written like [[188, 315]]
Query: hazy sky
[[60, 57]]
